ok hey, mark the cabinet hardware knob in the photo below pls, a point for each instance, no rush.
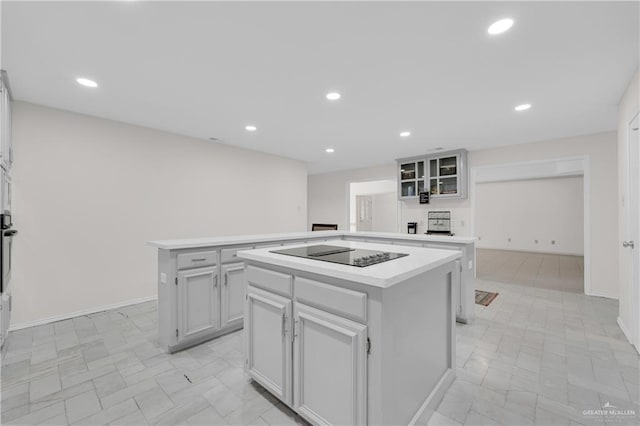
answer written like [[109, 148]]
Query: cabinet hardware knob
[[626, 244]]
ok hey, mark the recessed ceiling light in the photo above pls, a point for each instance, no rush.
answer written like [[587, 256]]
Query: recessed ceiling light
[[500, 26], [250, 128], [523, 107], [405, 134], [329, 150], [333, 96], [86, 82]]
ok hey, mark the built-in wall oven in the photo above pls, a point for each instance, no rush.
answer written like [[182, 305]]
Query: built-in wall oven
[[6, 234], [6, 231]]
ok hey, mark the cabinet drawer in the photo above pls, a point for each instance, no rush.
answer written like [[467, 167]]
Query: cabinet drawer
[[408, 243], [267, 245], [231, 254], [192, 260], [337, 300], [273, 281]]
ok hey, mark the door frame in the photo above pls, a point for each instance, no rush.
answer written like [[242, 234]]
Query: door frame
[[541, 169], [631, 331]]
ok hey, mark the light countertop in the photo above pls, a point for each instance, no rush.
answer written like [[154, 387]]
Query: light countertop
[[382, 275], [265, 238]]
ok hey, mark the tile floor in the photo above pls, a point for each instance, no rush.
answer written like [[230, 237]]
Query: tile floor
[[534, 356], [550, 271]]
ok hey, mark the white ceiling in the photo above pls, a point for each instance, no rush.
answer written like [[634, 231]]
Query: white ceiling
[[208, 69]]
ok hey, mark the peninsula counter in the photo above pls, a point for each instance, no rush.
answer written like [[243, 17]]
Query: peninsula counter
[[201, 280]]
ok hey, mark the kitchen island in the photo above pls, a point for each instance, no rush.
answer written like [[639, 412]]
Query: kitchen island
[[352, 345]]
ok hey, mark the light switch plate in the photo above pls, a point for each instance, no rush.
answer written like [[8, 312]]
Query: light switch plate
[[163, 278]]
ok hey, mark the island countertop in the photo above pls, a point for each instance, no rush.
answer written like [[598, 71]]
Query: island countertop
[[265, 238], [386, 274]]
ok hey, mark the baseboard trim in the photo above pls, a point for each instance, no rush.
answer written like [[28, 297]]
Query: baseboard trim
[[558, 253], [596, 294], [89, 311], [626, 333], [430, 404]]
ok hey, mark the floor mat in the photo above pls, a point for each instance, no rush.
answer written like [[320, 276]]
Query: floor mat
[[484, 298]]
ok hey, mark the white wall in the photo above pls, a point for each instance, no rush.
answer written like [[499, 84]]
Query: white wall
[[384, 209], [89, 193], [601, 149], [546, 210], [627, 109]]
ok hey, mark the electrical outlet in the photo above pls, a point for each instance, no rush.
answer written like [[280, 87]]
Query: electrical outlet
[[553, 242], [163, 278]]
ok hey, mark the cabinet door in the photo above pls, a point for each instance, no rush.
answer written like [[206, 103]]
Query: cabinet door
[[268, 341], [198, 304], [3, 122], [6, 317], [232, 293], [2, 322], [5, 155], [330, 368]]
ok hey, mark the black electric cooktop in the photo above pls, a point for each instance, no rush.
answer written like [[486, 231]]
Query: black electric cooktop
[[342, 255]]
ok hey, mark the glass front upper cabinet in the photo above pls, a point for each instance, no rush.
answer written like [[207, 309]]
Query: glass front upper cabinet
[[444, 175], [448, 174], [412, 179]]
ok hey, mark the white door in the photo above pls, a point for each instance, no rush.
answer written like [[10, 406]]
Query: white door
[[364, 204], [268, 341], [232, 293], [330, 368], [633, 242], [198, 311]]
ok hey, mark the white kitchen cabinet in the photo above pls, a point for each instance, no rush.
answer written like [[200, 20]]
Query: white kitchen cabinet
[[198, 305], [232, 302], [5, 316], [411, 178], [6, 149], [268, 341], [3, 322], [448, 174], [443, 175], [5, 191], [330, 367]]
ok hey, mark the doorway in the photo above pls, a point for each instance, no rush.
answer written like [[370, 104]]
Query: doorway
[[569, 167], [363, 213], [536, 239], [373, 206]]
